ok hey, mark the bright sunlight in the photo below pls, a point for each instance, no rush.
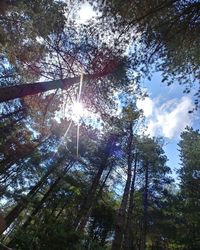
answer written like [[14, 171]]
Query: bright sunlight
[[77, 110]]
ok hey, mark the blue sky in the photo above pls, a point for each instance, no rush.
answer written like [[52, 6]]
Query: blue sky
[[166, 110]]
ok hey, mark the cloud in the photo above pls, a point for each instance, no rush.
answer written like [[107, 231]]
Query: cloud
[[167, 119], [147, 105]]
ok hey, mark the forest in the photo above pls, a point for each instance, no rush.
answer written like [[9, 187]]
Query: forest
[[78, 168]]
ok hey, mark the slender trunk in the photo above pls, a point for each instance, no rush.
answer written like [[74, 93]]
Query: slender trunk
[[81, 219], [61, 210], [4, 247], [105, 232], [145, 207], [129, 223], [2, 224], [88, 202], [121, 217], [14, 213], [18, 91], [104, 183], [46, 195], [95, 199], [120, 221]]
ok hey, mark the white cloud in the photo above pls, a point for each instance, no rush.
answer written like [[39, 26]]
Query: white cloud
[[146, 105], [168, 119]]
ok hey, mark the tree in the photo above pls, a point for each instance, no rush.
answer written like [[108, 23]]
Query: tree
[[155, 175], [102, 222], [150, 183], [168, 36], [189, 176], [129, 118], [104, 153], [92, 182], [9, 93], [20, 27]]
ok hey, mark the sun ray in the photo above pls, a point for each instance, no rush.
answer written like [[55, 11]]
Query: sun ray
[[75, 115], [66, 132], [77, 140], [80, 86], [78, 102]]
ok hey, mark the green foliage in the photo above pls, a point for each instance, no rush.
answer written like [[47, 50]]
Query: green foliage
[[50, 233], [21, 26], [167, 33], [189, 187], [54, 197]]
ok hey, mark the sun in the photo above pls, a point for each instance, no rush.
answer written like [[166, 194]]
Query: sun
[[77, 110], [86, 13]]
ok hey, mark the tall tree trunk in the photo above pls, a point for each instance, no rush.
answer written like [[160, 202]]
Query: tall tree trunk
[[46, 195], [3, 247], [121, 217], [61, 210], [40, 204], [129, 223], [145, 207], [96, 196], [15, 212], [88, 202], [81, 219], [2, 224], [18, 91]]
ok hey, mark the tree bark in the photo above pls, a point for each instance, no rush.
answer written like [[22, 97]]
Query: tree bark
[[2, 224], [129, 223], [46, 195], [18, 91], [145, 207], [95, 199], [81, 219], [121, 217], [15, 212], [88, 202]]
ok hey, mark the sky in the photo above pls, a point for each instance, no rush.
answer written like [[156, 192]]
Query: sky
[[166, 108], [166, 111]]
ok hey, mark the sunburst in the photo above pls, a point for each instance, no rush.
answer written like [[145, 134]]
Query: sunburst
[[77, 110]]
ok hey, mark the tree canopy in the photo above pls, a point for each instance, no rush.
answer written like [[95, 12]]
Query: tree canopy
[[77, 167]]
